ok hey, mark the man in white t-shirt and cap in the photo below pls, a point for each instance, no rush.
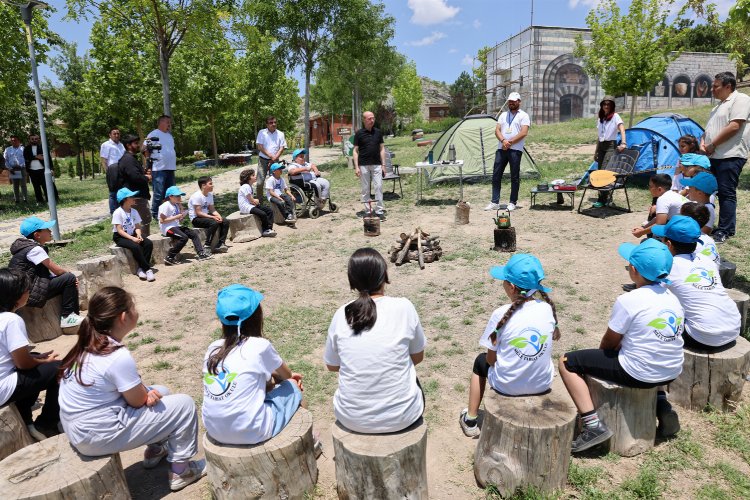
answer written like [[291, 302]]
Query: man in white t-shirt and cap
[[511, 131], [110, 153], [165, 161], [271, 144]]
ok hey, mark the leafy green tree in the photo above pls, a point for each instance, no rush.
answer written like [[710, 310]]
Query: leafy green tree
[[629, 53], [407, 92], [463, 92], [737, 27], [480, 79]]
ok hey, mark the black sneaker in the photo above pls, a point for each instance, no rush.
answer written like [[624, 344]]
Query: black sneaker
[[669, 422], [381, 215], [720, 237], [170, 261], [222, 248], [591, 436], [204, 255]]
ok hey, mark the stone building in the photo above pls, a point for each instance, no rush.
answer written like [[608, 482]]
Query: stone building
[[538, 63], [436, 98]]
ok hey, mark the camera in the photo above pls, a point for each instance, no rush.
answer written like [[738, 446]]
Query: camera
[[152, 144]]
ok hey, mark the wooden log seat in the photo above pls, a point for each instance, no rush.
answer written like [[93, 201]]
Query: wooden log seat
[[383, 466], [43, 323], [628, 412], [743, 301], [282, 467], [96, 273], [244, 227], [727, 272], [162, 245], [13, 432], [278, 217], [53, 469], [525, 440]]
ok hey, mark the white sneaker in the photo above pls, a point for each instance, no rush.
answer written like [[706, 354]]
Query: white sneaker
[[511, 206], [196, 470], [150, 275], [269, 233], [492, 206], [71, 320], [141, 273]]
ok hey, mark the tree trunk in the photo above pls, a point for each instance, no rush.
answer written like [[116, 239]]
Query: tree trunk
[[43, 323], [139, 127], [308, 71], [212, 123], [94, 164], [13, 432], [164, 70], [633, 102]]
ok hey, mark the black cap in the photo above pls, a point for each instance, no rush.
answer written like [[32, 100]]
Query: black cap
[[129, 138]]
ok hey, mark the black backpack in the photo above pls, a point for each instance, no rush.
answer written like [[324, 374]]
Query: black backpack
[[114, 177]]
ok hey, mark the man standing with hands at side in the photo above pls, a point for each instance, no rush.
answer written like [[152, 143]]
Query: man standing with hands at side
[[165, 164], [271, 144], [135, 178], [369, 162], [511, 131], [726, 147], [109, 154], [35, 165]]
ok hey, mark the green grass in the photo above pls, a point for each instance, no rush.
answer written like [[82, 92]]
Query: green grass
[[732, 430]]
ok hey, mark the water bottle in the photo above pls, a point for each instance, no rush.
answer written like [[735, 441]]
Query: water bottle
[[429, 157], [452, 153]]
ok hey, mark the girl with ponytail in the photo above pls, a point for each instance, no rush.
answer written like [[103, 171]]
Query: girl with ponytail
[[374, 342], [104, 406], [518, 339]]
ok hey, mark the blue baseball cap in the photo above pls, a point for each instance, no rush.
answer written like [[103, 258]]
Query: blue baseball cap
[[276, 166], [522, 270], [703, 181], [236, 303], [174, 191], [679, 228], [32, 224], [651, 259], [125, 193], [695, 159], [298, 152]]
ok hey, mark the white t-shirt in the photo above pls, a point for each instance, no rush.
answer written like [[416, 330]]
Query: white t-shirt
[[670, 203], [706, 249], [12, 337], [111, 151], [677, 183], [651, 320], [734, 107], [242, 201], [109, 376], [37, 255], [168, 209], [272, 142], [36, 149], [166, 159], [307, 176], [524, 349], [127, 220], [510, 126], [378, 389], [608, 130], [711, 215], [199, 199], [711, 316], [233, 409], [278, 186]]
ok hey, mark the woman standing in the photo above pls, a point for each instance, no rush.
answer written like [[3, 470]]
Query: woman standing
[[608, 126]]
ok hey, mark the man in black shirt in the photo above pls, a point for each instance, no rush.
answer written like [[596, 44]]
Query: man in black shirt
[[135, 178], [369, 162]]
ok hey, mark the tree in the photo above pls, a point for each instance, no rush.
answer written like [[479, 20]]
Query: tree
[[407, 92], [736, 31], [463, 93], [480, 79], [629, 53]]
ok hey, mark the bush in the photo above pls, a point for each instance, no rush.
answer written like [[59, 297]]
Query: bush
[[431, 127], [56, 168]]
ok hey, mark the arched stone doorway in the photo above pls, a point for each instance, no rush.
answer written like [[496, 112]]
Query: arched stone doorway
[[565, 90], [571, 106]]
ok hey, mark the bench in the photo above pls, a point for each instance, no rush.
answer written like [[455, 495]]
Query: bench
[[525, 440], [53, 469], [244, 227], [712, 379], [43, 323], [125, 258], [282, 467], [13, 432], [381, 465]]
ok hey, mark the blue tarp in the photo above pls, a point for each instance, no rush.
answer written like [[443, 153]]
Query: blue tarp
[[660, 133]]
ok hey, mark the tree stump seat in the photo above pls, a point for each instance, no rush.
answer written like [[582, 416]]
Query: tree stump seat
[[278, 217], [727, 272], [742, 300], [96, 273], [628, 412], [53, 469], [712, 379], [13, 432], [382, 466], [162, 245], [525, 440], [282, 467], [244, 227], [43, 323]]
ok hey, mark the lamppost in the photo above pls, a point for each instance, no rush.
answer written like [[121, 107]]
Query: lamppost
[[26, 14]]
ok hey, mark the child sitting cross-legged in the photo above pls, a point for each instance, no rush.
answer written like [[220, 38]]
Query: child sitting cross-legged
[[518, 338], [699, 189], [203, 214], [126, 233], [642, 347], [170, 216], [279, 194], [668, 203], [249, 204]]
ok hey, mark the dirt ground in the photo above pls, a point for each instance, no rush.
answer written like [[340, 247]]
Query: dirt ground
[[302, 273]]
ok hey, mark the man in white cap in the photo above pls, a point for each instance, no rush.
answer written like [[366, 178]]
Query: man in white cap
[[511, 131]]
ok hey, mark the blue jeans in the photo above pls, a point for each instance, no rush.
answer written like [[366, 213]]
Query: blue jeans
[[161, 180], [502, 158], [727, 172], [113, 202]]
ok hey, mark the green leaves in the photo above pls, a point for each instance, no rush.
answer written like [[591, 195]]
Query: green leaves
[[692, 278], [658, 323], [519, 342]]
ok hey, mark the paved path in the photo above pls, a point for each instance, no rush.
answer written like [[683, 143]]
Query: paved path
[[74, 218]]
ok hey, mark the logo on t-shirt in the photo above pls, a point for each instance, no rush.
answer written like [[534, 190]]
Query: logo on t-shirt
[[530, 344], [220, 386], [709, 251], [701, 278], [667, 326]]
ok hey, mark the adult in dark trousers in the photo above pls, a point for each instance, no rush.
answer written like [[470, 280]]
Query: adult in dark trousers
[[165, 163], [271, 144], [134, 177], [369, 162], [16, 165], [110, 153], [608, 127], [724, 144], [511, 131], [35, 166]]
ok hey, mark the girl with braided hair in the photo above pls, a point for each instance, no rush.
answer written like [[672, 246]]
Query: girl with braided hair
[[518, 339]]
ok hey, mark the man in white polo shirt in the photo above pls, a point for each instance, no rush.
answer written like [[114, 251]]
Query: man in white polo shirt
[[271, 144], [110, 153], [165, 162], [511, 131]]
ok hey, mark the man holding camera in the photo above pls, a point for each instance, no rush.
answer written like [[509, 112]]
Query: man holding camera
[[164, 161], [134, 177]]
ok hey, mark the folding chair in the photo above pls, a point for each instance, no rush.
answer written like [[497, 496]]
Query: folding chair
[[622, 164], [391, 172]]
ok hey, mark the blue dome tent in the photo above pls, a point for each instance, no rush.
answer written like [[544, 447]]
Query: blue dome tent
[[656, 139]]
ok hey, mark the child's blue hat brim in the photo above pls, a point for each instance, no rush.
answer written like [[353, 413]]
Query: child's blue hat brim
[[276, 166], [32, 224], [236, 303], [703, 181], [174, 191], [680, 228], [125, 193], [522, 270], [651, 259], [695, 160], [298, 152]]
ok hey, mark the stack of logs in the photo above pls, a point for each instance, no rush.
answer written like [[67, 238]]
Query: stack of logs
[[419, 246]]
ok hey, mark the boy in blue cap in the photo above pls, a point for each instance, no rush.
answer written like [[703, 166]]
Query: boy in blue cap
[[518, 339], [170, 216], [126, 233], [47, 279], [642, 347], [699, 189], [301, 171], [279, 194]]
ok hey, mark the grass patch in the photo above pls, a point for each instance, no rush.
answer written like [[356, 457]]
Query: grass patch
[[733, 430], [647, 485], [162, 365], [160, 350]]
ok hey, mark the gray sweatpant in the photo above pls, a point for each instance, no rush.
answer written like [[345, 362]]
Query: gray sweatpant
[[372, 174], [119, 427]]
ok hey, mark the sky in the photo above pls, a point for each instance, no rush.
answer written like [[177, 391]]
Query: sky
[[440, 36]]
